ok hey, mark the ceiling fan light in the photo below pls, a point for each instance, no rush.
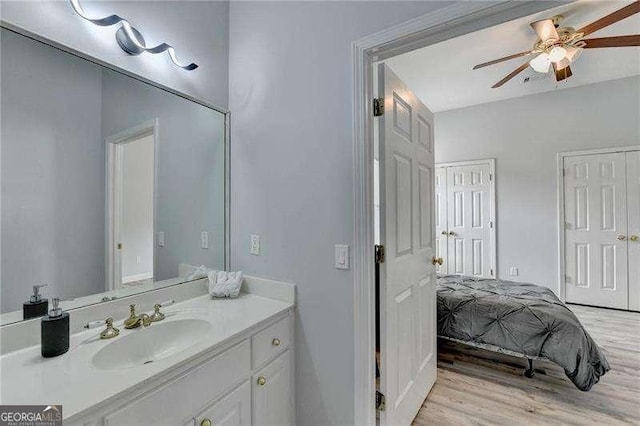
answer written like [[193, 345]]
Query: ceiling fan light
[[541, 63], [562, 64], [557, 53], [573, 53]]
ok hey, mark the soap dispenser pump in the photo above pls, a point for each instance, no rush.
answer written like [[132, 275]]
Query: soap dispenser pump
[[54, 331], [36, 306]]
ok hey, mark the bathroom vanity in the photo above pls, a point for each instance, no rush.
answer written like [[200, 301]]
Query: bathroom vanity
[[209, 362]]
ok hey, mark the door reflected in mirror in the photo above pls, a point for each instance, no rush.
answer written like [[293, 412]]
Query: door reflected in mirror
[[110, 185]]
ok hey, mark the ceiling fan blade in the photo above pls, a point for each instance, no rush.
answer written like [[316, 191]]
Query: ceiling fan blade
[[619, 41], [506, 58], [510, 76], [545, 29], [611, 18], [562, 74]]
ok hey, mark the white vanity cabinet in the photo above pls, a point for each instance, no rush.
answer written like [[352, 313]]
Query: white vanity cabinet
[[250, 382]]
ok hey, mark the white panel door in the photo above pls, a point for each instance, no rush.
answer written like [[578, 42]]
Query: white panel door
[[470, 248], [442, 230], [407, 276], [595, 230], [633, 209]]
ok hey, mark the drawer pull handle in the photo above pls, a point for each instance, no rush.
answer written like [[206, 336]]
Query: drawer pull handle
[[205, 422], [275, 342], [262, 381]]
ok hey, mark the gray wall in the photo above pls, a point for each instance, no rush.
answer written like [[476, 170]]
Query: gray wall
[[524, 135], [199, 30], [290, 97], [190, 168], [52, 173]]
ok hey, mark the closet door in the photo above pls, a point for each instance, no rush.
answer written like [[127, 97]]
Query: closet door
[[469, 219], [633, 208], [595, 194], [442, 231]]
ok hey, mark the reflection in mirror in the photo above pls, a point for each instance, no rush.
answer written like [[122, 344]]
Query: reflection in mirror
[[110, 186]]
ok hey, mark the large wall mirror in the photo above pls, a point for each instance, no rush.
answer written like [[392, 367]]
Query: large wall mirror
[[110, 185]]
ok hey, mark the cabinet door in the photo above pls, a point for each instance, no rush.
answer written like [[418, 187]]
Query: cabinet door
[[633, 213], [232, 410], [272, 393]]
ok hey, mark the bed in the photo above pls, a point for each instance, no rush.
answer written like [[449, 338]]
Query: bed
[[519, 319]]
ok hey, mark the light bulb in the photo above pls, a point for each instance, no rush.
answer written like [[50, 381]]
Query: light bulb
[[541, 63], [557, 54]]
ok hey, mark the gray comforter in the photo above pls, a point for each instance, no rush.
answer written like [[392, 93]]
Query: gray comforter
[[523, 318]]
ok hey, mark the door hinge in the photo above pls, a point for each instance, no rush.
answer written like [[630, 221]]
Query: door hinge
[[381, 401], [491, 272], [119, 246], [491, 224], [379, 253], [490, 177], [378, 107]]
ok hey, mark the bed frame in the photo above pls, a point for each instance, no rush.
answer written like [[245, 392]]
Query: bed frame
[[529, 372]]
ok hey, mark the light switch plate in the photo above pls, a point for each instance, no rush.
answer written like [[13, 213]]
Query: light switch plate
[[255, 245], [513, 271], [161, 239], [342, 256], [204, 239]]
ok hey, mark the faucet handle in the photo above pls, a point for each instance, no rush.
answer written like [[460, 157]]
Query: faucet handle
[[108, 332], [157, 315]]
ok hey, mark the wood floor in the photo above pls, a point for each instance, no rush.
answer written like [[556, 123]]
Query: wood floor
[[476, 387]]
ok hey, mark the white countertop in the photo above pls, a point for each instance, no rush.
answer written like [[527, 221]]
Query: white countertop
[[71, 379]]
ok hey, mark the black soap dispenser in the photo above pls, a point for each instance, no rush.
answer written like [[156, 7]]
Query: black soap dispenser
[[36, 306], [54, 331]]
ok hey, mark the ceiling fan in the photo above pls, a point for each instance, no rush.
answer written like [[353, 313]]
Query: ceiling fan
[[557, 47]]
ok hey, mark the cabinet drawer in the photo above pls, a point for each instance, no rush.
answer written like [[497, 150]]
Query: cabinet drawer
[[177, 401], [271, 341]]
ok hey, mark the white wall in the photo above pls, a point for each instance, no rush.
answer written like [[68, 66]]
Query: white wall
[[524, 135], [290, 97], [197, 29]]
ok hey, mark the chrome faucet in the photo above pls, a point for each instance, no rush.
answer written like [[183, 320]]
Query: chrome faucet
[[135, 321]]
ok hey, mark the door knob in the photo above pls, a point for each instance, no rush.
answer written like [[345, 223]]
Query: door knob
[[205, 422], [622, 237], [437, 260], [444, 232], [452, 233], [262, 381], [633, 238]]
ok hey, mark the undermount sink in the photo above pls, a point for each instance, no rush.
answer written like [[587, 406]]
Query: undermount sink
[[150, 344]]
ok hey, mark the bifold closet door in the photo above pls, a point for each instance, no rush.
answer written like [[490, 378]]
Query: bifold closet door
[[595, 194], [633, 208], [469, 220]]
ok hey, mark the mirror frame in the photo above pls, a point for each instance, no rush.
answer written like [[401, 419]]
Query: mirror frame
[[226, 140]]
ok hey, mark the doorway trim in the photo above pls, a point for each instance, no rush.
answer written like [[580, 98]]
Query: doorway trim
[[562, 292], [440, 25], [493, 207], [149, 127]]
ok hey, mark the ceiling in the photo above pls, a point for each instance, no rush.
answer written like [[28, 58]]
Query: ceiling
[[442, 75]]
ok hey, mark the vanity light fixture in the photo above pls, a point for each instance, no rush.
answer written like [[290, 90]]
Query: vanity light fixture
[[130, 39]]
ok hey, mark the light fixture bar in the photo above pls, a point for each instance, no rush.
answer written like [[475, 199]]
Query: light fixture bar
[[130, 39]]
